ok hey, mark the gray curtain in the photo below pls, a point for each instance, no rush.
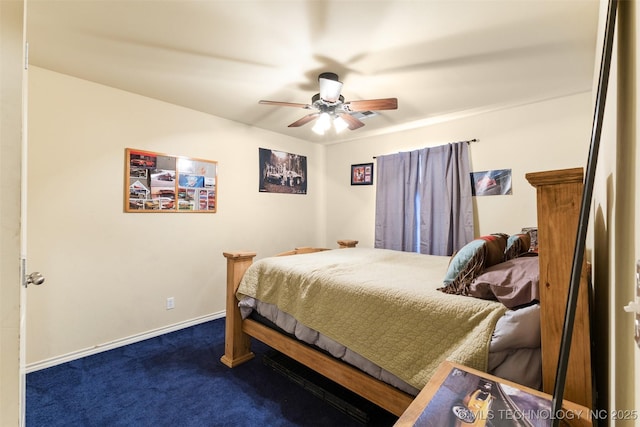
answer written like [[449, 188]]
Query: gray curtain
[[397, 182], [424, 201]]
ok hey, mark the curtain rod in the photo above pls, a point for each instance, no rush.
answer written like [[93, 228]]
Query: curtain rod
[[469, 141]]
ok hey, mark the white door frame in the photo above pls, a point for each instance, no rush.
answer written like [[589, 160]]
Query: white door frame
[[24, 265]]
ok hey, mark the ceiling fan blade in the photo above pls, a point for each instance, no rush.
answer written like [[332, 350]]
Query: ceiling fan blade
[[372, 104], [304, 120], [329, 89], [353, 122], [285, 104]]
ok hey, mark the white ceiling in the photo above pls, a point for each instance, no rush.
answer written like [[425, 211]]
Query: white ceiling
[[439, 58]]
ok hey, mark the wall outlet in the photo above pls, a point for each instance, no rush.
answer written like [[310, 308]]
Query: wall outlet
[[171, 303]]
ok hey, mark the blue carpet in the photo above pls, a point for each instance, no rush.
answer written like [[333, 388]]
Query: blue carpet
[[177, 379]]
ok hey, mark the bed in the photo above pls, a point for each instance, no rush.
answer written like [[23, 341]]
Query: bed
[[376, 341]]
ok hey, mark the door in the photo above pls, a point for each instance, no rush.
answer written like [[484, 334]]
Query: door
[[12, 84]]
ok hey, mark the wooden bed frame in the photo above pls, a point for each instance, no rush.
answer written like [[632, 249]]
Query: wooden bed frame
[[558, 200]]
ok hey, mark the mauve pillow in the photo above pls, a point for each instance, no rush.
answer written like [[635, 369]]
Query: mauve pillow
[[514, 283]]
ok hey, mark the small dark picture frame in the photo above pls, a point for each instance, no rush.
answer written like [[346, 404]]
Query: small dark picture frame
[[362, 174]]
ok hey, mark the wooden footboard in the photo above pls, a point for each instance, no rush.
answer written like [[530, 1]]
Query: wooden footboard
[[236, 343]]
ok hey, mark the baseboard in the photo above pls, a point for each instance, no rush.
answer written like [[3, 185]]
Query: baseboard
[[47, 363]]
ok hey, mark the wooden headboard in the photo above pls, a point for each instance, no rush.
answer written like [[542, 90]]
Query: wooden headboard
[[559, 194]]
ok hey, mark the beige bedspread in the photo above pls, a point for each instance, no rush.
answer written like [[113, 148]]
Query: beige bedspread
[[382, 304]]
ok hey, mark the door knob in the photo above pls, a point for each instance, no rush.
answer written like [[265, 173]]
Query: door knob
[[34, 278]]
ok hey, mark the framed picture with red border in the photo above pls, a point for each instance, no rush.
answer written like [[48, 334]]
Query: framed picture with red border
[[362, 174]]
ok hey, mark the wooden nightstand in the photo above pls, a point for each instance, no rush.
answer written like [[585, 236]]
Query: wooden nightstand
[[457, 395]]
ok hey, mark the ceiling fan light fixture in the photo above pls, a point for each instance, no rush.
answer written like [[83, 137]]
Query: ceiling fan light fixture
[[331, 110], [323, 123], [330, 90]]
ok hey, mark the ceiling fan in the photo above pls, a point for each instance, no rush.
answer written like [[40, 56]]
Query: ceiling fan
[[330, 107]]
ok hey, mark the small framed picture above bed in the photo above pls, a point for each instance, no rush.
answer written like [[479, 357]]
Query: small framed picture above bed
[[362, 174]]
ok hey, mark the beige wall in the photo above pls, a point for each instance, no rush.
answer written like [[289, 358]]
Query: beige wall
[[109, 273], [634, 117], [615, 214], [11, 101], [530, 138]]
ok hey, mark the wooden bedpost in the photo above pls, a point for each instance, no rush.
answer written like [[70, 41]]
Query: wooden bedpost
[[347, 243], [559, 194], [236, 343]]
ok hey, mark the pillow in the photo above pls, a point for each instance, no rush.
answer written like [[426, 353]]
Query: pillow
[[517, 245], [471, 260], [514, 283], [533, 235]]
